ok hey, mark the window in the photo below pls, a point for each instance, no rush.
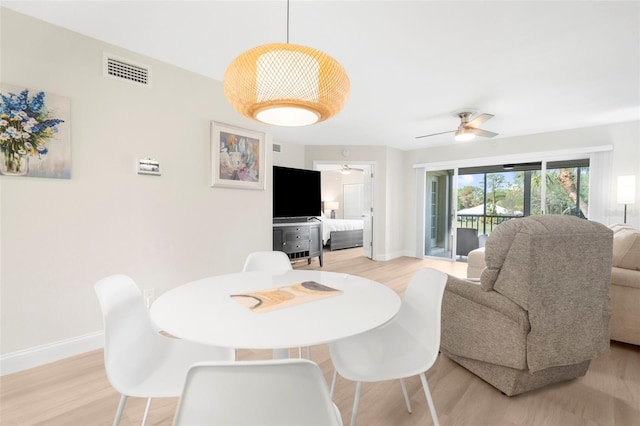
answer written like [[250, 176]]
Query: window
[[567, 188], [488, 196]]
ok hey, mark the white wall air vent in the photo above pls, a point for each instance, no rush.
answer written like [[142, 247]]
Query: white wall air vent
[[124, 69], [276, 147]]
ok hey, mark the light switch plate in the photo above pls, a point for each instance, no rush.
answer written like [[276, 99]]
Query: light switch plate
[[148, 166]]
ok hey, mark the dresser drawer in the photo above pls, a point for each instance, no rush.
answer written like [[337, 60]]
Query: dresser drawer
[[296, 235], [295, 246]]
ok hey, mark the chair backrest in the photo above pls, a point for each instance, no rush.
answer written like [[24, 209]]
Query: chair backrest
[[420, 312], [526, 255], [267, 261], [546, 264], [269, 392], [132, 347]]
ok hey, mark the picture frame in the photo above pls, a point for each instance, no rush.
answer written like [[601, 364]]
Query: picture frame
[[237, 157], [35, 133]]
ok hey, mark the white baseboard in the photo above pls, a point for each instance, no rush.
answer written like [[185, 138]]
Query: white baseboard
[[390, 256], [14, 362]]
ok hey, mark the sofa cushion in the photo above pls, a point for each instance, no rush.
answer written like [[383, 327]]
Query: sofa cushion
[[626, 278], [626, 247], [616, 227]]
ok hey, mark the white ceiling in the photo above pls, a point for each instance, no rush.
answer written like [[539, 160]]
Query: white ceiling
[[538, 66]]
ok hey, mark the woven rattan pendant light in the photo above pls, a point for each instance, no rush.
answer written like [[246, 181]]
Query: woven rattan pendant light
[[286, 84]]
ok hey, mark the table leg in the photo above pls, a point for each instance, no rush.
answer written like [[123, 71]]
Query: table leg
[[281, 353]]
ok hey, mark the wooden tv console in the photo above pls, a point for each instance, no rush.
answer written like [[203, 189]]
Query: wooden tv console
[[299, 240]]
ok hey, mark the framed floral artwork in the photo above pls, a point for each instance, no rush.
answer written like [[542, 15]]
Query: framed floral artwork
[[237, 157], [35, 133]]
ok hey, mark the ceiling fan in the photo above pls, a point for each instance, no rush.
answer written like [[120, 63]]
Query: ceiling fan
[[468, 130], [346, 169]]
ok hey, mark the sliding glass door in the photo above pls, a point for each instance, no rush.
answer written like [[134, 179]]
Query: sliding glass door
[[438, 213], [465, 200]]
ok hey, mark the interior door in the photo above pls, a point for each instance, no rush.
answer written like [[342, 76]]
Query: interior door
[[433, 211], [367, 211], [352, 195], [439, 214]]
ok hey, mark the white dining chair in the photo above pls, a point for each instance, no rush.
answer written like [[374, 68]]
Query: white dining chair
[[248, 393], [267, 261], [406, 346], [270, 261], [139, 361]]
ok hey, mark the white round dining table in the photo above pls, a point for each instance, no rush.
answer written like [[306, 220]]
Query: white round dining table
[[203, 311]]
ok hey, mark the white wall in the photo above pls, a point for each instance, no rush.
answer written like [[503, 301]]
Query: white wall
[[290, 155], [60, 236], [625, 138], [397, 204], [333, 187]]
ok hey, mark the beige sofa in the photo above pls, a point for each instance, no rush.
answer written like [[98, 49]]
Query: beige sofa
[[625, 285], [513, 328]]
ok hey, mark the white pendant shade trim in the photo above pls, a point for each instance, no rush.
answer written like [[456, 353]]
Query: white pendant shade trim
[[286, 85], [287, 116]]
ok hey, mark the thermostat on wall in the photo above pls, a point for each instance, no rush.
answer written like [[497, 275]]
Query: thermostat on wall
[[148, 166]]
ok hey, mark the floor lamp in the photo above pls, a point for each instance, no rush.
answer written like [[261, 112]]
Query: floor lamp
[[626, 192]]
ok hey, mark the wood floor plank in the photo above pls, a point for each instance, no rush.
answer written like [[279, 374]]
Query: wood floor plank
[[75, 391]]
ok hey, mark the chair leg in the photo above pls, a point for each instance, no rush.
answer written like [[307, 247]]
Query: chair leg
[[146, 412], [308, 352], [120, 410], [427, 393], [406, 395], [333, 383], [356, 401]]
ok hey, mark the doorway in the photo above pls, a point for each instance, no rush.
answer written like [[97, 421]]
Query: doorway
[[348, 188]]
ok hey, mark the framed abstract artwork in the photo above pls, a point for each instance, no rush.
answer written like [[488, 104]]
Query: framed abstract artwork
[[35, 133], [237, 157]]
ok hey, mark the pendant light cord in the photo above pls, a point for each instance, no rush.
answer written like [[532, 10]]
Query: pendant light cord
[[287, 21]]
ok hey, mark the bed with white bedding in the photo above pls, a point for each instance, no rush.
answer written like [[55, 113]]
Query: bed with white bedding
[[341, 233]]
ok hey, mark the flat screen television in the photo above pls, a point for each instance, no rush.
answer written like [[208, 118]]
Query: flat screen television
[[296, 192]]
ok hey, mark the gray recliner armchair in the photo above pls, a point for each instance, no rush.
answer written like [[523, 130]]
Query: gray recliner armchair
[[541, 310]]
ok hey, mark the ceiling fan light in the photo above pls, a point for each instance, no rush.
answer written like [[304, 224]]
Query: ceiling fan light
[[464, 135], [286, 85]]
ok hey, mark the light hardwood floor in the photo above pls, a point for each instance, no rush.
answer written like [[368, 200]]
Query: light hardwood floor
[[75, 391]]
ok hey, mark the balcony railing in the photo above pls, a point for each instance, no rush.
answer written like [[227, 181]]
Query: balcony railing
[[481, 222]]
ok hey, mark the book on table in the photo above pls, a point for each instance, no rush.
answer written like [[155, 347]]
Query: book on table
[[282, 297]]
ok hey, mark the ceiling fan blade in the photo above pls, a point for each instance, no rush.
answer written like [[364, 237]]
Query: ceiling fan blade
[[479, 120], [481, 132], [434, 134]]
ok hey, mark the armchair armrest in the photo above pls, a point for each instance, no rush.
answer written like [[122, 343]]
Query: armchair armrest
[[483, 325], [471, 290]]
